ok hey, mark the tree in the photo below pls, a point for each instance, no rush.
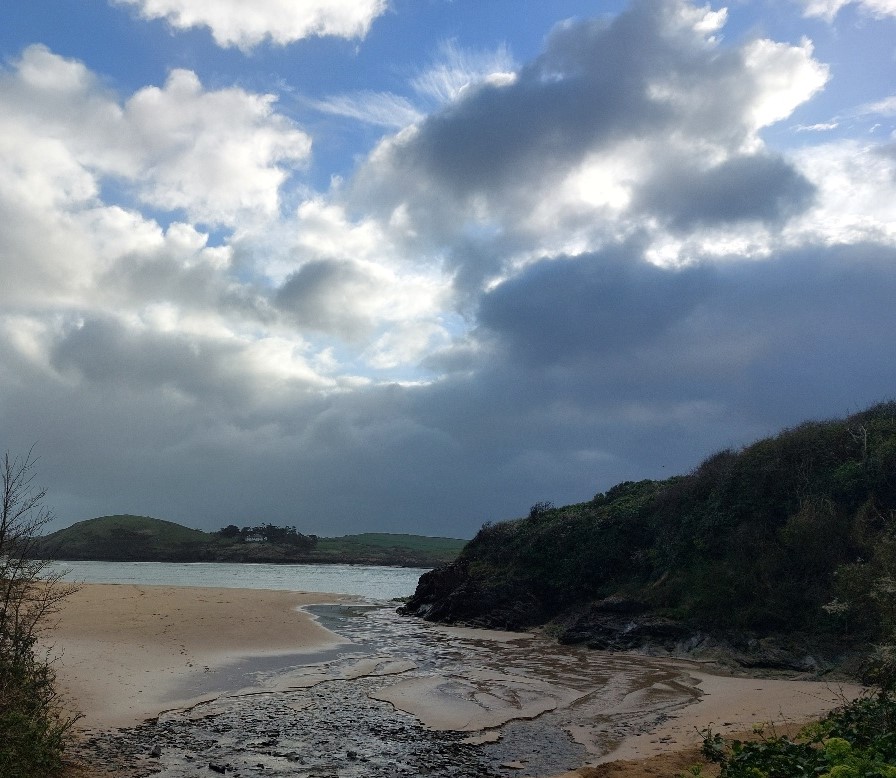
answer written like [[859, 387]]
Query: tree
[[540, 508], [33, 723]]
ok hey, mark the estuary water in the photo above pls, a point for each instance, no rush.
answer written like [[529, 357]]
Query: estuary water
[[372, 582]]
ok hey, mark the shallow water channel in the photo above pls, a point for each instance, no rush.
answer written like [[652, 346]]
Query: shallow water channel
[[403, 697]]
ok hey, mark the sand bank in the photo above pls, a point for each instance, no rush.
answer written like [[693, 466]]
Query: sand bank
[[125, 649], [128, 651]]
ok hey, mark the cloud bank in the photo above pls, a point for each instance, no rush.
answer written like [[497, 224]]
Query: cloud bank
[[542, 279]]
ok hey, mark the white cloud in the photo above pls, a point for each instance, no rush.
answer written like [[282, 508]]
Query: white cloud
[[456, 70], [885, 107], [586, 143], [785, 76], [352, 279], [246, 24], [80, 171], [453, 72], [92, 276], [221, 156], [819, 127], [406, 344], [828, 9], [380, 108], [856, 194]]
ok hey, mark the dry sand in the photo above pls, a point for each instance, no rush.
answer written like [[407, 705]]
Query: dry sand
[[125, 649]]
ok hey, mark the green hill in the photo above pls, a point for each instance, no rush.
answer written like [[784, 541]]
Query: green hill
[[126, 538], [785, 548], [375, 546]]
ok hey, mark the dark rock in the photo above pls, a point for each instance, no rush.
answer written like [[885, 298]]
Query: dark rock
[[217, 768], [449, 595], [617, 603]]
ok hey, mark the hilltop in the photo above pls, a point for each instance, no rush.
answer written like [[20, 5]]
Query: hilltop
[[126, 538], [781, 554]]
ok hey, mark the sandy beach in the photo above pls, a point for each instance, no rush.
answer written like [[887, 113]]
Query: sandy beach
[[126, 650]]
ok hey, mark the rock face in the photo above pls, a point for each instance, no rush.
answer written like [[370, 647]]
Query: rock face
[[620, 624], [450, 595]]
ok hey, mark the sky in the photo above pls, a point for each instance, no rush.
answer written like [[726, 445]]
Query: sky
[[415, 265]]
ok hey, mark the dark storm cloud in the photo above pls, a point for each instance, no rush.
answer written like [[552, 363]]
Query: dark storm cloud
[[653, 369], [756, 187], [590, 305], [589, 88], [647, 73], [806, 329]]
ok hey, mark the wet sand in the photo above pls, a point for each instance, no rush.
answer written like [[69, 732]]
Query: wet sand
[[130, 652], [734, 706], [125, 649]]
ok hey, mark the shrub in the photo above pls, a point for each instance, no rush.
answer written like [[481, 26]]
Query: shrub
[[858, 740], [34, 726]]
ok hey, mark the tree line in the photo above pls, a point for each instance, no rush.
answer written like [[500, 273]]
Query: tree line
[[268, 533]]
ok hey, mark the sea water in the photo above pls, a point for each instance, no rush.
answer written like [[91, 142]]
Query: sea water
[[373, 582]]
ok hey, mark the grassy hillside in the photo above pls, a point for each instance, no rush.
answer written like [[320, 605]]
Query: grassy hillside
[[375, 545], [126, 538], [793, 534], [145, 539]]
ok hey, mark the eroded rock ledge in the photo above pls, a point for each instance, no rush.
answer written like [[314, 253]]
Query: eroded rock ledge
[[449, 595]]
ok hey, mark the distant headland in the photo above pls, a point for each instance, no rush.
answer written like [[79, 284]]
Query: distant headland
[[126, 538]]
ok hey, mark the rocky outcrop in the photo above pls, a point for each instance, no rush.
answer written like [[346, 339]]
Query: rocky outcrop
[[450, 595], [620, 624]]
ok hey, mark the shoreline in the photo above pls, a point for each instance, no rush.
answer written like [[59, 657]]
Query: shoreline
[[126, 651], [131, 652]]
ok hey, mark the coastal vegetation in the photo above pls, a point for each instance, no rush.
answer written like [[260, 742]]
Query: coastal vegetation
[[126, 538], [857, 740], [34, 724], [782, 553]]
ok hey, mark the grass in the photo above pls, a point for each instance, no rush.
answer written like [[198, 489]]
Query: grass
[[379, 543], [142, 538]]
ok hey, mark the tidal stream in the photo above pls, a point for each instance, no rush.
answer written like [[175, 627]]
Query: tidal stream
[[402, 697]]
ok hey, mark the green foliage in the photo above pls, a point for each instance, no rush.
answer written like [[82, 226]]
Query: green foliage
[[792, 533], [563, 555], [858, 740], [269, 533], [33, 725], [390, 548], [126, 538], [33, 728], [543, 506], [144, 539]]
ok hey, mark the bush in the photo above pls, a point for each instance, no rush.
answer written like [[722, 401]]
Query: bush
[[858, 740], [34, 726]]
